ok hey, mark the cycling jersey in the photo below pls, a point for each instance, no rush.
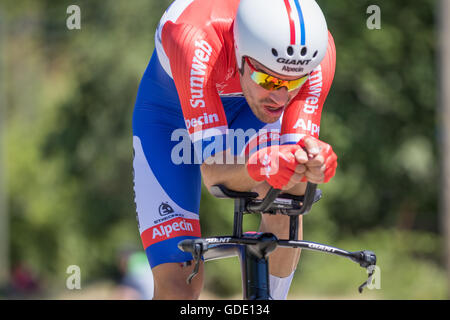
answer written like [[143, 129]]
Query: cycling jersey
[[192, 83]]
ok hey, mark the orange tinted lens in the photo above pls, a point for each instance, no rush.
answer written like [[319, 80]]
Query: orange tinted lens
[[295, 84], [266, 81], [272, 83], [269, 82]]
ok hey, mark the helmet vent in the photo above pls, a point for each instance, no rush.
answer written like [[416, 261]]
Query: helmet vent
[[290, 51], [315, 54], [274, 52], [304, 51]]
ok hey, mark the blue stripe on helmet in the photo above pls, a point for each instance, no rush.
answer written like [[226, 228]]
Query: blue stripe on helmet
[[302, 22]]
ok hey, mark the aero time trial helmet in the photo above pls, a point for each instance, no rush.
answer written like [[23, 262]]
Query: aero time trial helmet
[[289, 37]]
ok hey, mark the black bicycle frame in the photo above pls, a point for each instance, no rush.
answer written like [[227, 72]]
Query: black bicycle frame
[[253, 248]]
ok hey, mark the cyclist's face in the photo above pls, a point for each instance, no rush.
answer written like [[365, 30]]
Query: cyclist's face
[[268, 106]]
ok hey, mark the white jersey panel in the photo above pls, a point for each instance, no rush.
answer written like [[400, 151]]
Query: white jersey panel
[[153, 205], [172, 14]]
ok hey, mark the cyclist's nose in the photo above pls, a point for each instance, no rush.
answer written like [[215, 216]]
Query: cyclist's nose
[[280, 96]]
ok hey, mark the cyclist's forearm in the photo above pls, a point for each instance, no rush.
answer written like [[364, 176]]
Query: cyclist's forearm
[[234, 176]]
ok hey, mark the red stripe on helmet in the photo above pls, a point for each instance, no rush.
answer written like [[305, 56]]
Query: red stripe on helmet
[[291, 21]]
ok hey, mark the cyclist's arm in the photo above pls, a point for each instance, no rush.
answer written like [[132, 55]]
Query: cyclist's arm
[[236, 177], [194, 55], [303, 115], [233, 174], [301, 120]]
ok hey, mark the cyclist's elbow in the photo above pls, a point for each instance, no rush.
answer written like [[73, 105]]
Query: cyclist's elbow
[[209, 175]]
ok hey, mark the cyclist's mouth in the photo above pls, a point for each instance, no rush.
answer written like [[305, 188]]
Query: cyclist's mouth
[[274, 110]]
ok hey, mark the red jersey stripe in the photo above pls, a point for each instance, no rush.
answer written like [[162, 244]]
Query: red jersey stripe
[[170, 229]]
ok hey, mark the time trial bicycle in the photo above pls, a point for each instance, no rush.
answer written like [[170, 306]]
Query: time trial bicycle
[[253, 248]]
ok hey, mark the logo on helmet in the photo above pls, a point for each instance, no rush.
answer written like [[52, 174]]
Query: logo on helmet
[[289, 63], [294, 61], [290, 69]]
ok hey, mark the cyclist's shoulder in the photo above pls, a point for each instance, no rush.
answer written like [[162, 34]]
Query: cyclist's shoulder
[[200, 14], [188, 25]]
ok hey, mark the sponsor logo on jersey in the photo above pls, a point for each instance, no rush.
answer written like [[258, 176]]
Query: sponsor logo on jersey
[[201, 120], [311, 105], [165, 230], [168, 217], [315, 90], [170, 229], [308, 126], [165, 209], [202, 54]]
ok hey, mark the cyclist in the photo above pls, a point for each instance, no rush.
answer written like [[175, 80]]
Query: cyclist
[[254, 71]]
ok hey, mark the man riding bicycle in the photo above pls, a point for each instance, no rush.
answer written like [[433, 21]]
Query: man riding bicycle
[[222, 70]]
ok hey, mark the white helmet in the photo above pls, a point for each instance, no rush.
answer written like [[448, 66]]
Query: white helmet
[[289, 37]]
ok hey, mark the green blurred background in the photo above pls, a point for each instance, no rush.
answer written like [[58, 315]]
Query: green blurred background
[[66, 141]]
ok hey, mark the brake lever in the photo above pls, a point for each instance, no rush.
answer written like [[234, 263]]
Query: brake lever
[[369, 280], [197, 255], [369, 260]]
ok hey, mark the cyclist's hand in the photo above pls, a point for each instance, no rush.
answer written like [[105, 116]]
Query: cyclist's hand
[[322, 163], [278, 165]]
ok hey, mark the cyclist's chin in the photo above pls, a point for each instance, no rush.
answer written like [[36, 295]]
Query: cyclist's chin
[[270, 120]]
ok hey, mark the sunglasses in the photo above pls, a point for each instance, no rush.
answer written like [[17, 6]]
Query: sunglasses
[[272, 83]]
